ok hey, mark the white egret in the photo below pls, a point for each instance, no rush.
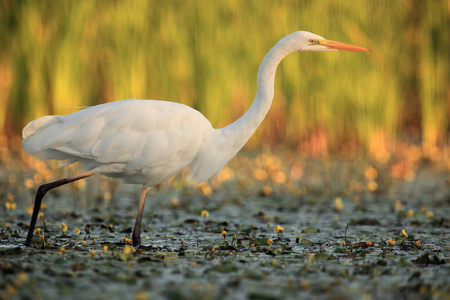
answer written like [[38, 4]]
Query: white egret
[[147, 141]]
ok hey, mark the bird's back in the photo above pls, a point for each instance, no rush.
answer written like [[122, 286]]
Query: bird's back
[[142, 141]]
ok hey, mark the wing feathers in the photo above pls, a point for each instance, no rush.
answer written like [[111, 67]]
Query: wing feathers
[[140, 134]]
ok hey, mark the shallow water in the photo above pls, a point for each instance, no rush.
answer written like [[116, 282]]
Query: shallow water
[[184, 255]]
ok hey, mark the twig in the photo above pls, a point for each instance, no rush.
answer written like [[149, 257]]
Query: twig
[[345, 236]]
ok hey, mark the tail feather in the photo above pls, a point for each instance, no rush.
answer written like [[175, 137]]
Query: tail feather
[[34, 135], [35, 125]]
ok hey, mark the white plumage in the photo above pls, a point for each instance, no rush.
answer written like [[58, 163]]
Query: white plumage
[[148, 141], [141, 141]]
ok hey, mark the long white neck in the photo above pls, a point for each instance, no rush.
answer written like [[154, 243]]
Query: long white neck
[[239, 132], [225, 142]]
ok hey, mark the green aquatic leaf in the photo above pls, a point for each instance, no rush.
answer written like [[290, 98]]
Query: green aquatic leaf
[[305, 242], [324, 256], [311, 230], [222, 268]]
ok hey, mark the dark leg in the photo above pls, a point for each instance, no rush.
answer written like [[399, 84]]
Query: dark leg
[[42, 190], [137, 224]]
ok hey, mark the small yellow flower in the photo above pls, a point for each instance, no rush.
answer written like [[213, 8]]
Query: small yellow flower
[[63, 227], [269, 241], [224, 233], [194, 264], [77, 231], [10, 197], [10, 205], [29, 183], [312, 257], [40, 215], [105, 248], [85, 243], [410, 213], [142, 295], [62, 250], [174, 201], [107, 195], [91, 253], [372, 186], [278, 228], [127, 250], [43, 206], [279, 177], [30, 209], [252, 245], [429, 214], [260, 174], [37, 230], [424, 209], [10, 290], [418, 243], [205, 189], [371, 173], [404, 233], [266, 190], [22, 276], [391, 242], [127, 240], [398, 205], [369, 243], [305, 284], [205, 213], [338, 205]]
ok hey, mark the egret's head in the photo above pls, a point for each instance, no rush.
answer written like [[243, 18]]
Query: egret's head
[[307, 41]]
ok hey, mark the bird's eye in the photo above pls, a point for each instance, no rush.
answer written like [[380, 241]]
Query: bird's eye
[[312, 41]]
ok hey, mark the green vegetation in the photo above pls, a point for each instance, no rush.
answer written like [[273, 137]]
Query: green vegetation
[[56, 56], [342, 229]]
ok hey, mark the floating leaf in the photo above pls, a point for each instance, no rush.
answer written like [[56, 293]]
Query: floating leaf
[[77, 267], [111, 246], [429, 259], [305, 242], [403, 263], [11, 251], [260, 242], [126, 230], [228, 247], [270, 252], [339, 250], [223, 268], [262, 296], [311, 230], [365, 221], [324, 256]]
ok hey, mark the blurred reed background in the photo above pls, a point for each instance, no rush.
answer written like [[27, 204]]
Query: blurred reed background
[[59, 55]]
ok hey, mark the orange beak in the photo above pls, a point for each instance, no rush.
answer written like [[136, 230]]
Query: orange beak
[[342, 47]]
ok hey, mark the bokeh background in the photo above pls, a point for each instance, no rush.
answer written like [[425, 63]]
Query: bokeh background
[[56, 57], [359, 139]]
